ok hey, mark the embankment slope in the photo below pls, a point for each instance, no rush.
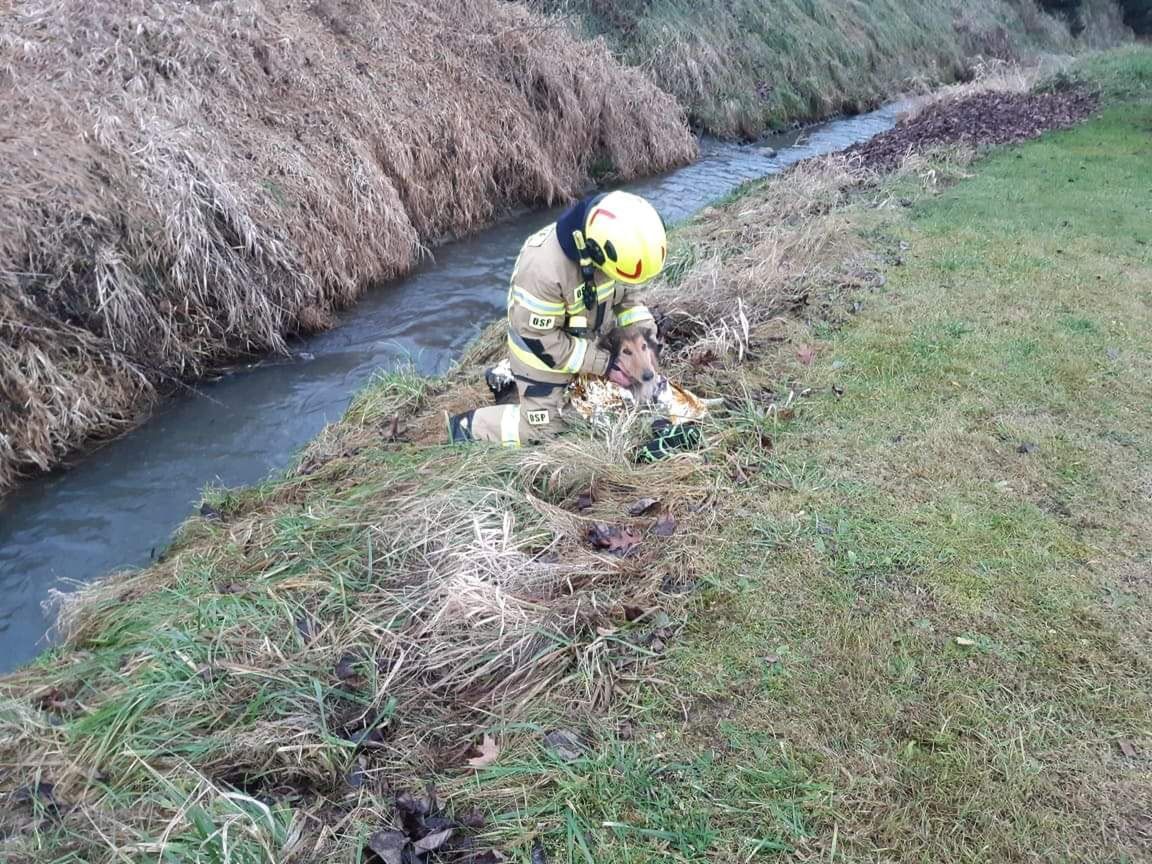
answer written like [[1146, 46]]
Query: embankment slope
[[741, 67]]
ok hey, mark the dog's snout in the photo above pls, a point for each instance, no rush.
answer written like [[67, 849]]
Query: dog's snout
[[649, 375]]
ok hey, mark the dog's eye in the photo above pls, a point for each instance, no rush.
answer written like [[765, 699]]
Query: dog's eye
[[628, 351]]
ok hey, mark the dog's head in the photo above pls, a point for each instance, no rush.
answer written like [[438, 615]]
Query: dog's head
[[635, 349]]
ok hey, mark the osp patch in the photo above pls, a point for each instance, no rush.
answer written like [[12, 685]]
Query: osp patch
[[542, 322], [536, 418]]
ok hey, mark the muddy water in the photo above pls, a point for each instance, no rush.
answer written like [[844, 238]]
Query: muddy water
[[118, 507]]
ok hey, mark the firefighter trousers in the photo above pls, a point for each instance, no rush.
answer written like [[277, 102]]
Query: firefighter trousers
[[538, 416]]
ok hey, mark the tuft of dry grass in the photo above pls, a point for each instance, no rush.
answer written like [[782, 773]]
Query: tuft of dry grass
[[185, 183]]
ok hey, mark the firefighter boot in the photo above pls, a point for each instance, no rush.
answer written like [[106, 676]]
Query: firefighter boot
[[459, 427]]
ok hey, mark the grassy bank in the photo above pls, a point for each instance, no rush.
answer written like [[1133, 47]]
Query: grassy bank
[[188, 183], [902, 598], [746, 66]]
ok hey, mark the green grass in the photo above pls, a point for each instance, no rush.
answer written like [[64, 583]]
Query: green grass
[[919, 631], [928, 648]]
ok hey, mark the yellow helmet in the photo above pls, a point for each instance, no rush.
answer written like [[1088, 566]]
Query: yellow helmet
[[625, 237]]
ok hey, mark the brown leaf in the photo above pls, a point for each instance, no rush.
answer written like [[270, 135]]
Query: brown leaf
[[705, 358], [585, 501], [633, 613], [1128, 748], [643, 506], [613, 539], [388, 846], [433, 841], [487, 752], [474, 819], [665, 526], [806, 354]]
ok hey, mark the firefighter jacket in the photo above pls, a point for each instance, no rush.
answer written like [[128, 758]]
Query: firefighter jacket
[[552, 334]]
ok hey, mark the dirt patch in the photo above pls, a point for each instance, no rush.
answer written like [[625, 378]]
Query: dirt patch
[[979, 120]]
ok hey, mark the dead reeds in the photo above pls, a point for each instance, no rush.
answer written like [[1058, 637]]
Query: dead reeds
[[182, 183]]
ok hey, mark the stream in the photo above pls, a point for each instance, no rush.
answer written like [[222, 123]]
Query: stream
[[119, 505]]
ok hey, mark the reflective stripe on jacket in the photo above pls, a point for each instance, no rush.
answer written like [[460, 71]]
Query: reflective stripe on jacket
[[552, 335]]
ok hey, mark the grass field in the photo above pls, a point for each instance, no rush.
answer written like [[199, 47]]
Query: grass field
[[904, 617]]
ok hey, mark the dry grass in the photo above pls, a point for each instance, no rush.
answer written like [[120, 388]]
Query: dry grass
[[744, 66], [381, 628], [187, 183]]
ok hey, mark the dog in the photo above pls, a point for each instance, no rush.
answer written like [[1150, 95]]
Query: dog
[[597, 399]]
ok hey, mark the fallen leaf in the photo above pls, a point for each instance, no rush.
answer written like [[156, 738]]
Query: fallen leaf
[[565, 744], [643, 506], [585, 501], [614, 539], [433, 841], [705, 358], [806, 355], [633, 613], [665, 526], [346, 667], [41, 790], [388, 846], [965, 642], [488, 752], [474, 819], [1128, 748], [408, 804]]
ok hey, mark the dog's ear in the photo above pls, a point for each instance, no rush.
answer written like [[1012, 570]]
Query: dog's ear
[[654, 343], [611, 340]]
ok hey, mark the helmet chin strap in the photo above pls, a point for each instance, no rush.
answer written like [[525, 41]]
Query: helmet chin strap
[[590, 253]]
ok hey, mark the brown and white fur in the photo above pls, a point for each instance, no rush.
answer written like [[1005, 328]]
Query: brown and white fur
[[637, 355]]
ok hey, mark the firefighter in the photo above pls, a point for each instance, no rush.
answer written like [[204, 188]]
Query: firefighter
[[573, 282]]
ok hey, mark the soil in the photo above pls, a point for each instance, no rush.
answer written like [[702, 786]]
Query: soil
[[980, 120]]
